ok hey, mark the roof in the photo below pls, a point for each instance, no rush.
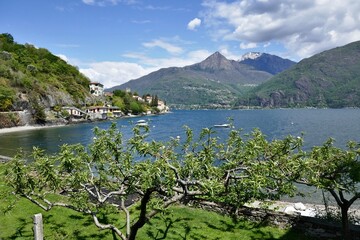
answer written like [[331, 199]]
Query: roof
[[96, 83], [103, 107]]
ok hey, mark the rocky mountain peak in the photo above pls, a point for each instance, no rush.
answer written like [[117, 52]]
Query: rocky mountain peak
[[216, 61]]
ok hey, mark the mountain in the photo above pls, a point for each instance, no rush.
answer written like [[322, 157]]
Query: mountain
[[266, 62], [214, 82], [328, 79]]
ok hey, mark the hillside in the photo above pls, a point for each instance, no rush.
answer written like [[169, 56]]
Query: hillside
[[328, 79], [34, 81], [214, 82], [33, 77]]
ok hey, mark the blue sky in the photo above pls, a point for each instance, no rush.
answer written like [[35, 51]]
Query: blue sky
[[113, 41]]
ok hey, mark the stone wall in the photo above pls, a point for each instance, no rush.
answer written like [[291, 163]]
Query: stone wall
[[312, 227]]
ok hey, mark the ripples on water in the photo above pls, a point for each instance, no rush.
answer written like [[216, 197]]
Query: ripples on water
[[317, 125]]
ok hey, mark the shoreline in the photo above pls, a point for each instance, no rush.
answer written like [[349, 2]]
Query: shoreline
[[36, 127], [27, 128]]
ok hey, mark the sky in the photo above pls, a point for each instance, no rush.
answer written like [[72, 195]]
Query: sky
[[114, 41]]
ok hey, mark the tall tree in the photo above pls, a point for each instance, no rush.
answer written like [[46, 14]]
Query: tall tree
[[337, 171]]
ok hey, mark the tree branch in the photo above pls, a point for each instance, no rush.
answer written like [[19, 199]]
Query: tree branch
[[337, 198], [127, 214], [46, 208], [354, 198], [172, 200], [108, 226]]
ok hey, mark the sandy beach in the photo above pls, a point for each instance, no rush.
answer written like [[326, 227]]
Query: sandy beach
[[25, 128]]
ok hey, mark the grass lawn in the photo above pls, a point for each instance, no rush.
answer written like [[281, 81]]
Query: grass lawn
[[179, 222]]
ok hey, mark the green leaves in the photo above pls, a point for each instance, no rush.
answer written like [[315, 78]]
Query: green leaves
[[152, 174]]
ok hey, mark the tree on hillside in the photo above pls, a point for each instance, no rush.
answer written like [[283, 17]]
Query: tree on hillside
[[6, 97], [336, 171], [113, 175], [119, 93], [6, 37]]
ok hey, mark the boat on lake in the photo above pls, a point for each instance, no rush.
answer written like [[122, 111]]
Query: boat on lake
[[142, 123], [225, 125]]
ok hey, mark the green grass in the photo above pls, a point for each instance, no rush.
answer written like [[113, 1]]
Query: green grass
[[179, 222]]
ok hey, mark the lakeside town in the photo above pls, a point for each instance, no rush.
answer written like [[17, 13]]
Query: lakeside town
[[106, 111], [101, 105]]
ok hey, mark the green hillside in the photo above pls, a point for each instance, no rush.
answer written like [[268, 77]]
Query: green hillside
[[188, 88], [212, 83], [329, 79], [33, 77]]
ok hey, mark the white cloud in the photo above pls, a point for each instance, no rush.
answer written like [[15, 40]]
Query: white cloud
[[171, 48], [224, 50], [103, 3], [304, 27], [114, 73], [181, 61], [247, 45], [193, 24], [89, 2], [197, 56], [141, 21]]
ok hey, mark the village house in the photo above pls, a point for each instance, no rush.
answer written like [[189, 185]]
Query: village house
[[148, 99], [137, 98], [104, 112], [96, 89], [75, 112], [162, 107]]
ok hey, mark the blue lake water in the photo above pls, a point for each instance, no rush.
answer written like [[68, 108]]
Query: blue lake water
[[316, 124]]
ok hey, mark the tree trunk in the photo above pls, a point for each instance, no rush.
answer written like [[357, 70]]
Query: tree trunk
[[345, 222], [142, 217]]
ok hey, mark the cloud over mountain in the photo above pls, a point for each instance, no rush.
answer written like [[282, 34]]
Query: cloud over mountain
[[305, 27]]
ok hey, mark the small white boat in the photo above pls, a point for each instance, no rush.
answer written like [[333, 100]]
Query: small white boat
[[225, 125], [142, 123]]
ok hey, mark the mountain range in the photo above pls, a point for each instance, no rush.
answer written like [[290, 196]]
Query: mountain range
[[214, 82], [328, 79]]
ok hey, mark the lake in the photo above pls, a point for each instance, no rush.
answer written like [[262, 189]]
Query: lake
[[316, 124]]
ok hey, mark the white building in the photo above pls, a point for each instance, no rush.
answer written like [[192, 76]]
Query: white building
[[96, 89], [75, 112], [103, 112]]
